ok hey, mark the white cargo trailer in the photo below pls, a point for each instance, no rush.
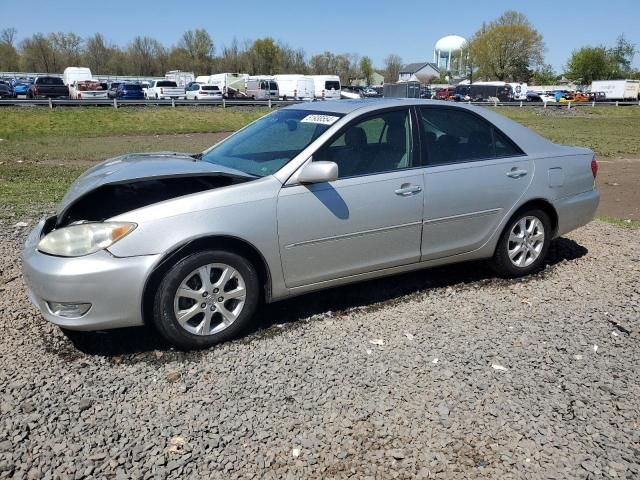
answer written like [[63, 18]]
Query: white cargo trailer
[[181, 78], [617, 89], [232, 85], [295, 87]]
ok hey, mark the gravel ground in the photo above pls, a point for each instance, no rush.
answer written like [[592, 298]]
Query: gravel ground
[[448, 373]]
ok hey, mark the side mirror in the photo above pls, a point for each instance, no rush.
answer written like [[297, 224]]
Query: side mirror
[[318, 172]]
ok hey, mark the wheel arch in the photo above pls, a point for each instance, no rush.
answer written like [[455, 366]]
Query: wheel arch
[[211, 242], [545, 205]]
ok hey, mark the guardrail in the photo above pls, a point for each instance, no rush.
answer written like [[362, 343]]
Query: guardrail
[[116, 103]]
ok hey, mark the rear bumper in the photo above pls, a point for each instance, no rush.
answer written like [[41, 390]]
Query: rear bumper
[[113, 286], [576, 211]]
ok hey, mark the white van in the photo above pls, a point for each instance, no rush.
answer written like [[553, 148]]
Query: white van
[[262, 88], [296, 87], [81, 84], [327, 87]]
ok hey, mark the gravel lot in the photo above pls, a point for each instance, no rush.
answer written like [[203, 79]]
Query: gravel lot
[[448, 373]]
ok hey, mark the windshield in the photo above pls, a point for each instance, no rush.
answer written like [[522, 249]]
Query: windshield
[[270, 143]]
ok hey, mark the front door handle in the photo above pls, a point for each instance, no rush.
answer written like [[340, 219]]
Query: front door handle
[[406, 189], [516, 173]]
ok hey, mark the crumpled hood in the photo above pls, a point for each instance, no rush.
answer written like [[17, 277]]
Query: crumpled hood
[[140, 166]]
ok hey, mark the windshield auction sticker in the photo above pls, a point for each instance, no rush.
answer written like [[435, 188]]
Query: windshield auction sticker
[[321, 119]]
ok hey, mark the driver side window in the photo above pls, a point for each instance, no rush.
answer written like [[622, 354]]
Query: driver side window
[[380, 143]]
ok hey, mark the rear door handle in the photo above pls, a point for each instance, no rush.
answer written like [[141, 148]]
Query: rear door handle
[[516, 173], [406, 189]]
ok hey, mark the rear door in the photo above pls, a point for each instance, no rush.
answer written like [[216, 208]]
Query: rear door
[[369, 218], [474, 176]]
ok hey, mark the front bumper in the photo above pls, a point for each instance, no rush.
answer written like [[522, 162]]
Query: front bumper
[[112, 285]]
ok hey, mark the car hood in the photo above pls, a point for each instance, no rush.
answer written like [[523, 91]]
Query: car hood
[[142, 166]]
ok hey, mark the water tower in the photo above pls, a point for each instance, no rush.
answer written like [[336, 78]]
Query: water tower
[[446, 53]]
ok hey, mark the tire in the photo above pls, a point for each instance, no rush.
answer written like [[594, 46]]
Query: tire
[[208, 317], [515, 257]]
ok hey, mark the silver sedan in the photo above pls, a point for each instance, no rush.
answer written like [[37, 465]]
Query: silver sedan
[[308, 197]]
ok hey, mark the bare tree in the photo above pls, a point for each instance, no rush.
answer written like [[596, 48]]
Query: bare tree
[[392, 66]]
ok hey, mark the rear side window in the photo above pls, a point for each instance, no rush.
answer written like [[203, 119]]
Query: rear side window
[[455, 136]]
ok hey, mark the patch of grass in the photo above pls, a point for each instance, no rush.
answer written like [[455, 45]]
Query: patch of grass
[[628, 223], [608, 131], [25, 123], [28, 190]]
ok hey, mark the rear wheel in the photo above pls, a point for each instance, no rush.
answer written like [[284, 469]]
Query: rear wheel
[[523, 245], [205, 299]]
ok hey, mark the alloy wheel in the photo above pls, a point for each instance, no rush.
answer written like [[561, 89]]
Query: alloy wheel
[[210, 299], [526, 241]]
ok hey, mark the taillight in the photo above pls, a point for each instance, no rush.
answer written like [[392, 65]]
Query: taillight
[[161, 90], [594, 167], [79, 95]]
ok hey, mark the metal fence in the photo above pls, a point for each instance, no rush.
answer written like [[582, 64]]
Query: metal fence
[[116, 103]]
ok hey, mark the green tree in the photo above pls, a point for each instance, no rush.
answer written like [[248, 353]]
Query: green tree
[[506, 48], [392, 66], [366, 69], [194, 52], [9, 57], [38, 55], [591, 63], [622, 54], [544, 75], [265, 56]]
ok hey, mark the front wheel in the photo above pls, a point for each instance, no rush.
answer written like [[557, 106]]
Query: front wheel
[[523, 245], [205, 299]]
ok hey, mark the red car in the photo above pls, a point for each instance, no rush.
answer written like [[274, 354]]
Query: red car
[[445, 93]]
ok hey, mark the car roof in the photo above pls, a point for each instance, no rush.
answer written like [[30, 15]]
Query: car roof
[[526, 139]]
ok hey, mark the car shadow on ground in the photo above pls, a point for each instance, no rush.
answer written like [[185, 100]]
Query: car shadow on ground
[[275, 318]]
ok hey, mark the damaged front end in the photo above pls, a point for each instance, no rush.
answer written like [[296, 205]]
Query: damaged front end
[[134, 181]]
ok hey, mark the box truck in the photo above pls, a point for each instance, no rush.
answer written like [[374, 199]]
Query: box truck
[[81, 84], [617, 89]]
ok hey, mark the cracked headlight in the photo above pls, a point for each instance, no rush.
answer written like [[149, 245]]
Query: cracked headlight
[[84, 239]]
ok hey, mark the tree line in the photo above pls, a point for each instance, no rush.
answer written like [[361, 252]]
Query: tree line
[[195, 51], [508, 48]]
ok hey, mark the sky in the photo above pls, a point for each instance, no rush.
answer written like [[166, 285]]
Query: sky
[[375, 28]]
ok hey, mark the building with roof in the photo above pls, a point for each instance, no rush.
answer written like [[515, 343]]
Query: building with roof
[[422, 72]]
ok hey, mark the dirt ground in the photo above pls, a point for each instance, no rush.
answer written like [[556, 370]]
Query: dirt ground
[[618, 179], [619, 184]]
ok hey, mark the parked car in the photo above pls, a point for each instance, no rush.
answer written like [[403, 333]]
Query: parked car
[[47, 87], [311, 196], [113, 88], [130, 91], [445, 93], [87, 90], [6, 90], [165, 89], [21, 85], [533, 96], [204, 92]]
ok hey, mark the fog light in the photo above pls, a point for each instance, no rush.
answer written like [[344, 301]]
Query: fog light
[[68, 310]]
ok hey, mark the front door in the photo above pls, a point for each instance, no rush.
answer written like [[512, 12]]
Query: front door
[[370, 218]]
